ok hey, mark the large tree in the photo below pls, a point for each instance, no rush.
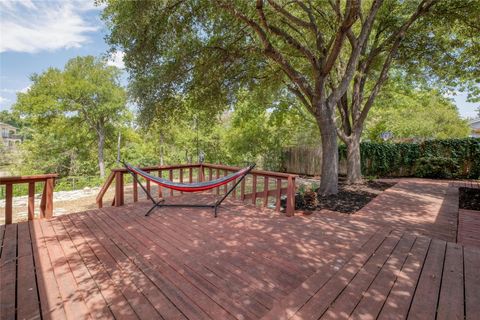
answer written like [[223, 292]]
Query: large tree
[[333, 56], [74, 105]]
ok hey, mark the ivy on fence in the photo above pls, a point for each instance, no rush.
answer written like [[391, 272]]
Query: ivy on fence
[[450, 158]]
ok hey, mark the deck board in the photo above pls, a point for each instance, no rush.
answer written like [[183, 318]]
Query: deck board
[[27, 297], [249, 263], [8, 273]]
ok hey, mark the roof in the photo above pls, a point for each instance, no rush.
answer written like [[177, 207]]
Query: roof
[[3, 124]]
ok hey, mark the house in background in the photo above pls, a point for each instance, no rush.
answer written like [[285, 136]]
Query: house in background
[[9, 136], [475, 126]]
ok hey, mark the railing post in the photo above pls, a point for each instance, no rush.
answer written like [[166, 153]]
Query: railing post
[[200, 173], [290, 196], [254, 190], [160, 193], [135, 190], [278, 195], [265, 191], [118, 189], [49, 185], [8, 203], [31, 200], [181, 178]]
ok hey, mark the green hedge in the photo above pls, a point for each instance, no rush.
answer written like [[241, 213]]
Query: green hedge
[[450, 158]]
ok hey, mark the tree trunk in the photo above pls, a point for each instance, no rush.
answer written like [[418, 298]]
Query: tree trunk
[[101, 145], [161, 148], [329, 176], [354, 168]]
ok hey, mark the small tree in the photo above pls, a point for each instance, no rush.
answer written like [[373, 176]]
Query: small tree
[[85, 95]]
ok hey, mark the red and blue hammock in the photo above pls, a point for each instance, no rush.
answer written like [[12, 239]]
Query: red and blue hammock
[[187, 187]]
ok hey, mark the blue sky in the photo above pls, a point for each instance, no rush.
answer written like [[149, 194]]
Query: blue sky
[[35, 35]]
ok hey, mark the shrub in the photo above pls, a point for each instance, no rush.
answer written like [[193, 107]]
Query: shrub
[[436, 167], [402, 159]]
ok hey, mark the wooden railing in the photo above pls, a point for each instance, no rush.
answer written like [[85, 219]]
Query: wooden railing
[[258, 186], [46, 203]]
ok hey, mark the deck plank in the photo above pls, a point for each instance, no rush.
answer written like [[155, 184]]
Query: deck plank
[[28, 301], [87, 287], [372, 301], [51, 303], [322, 299], [136, 299], [346, 302], [73, 302], [129, 270], [425, 300], [158, 234], [398, 302], [139, 239], [246, 264], [8, 263], [181, 301], [299, 297], [117, 302], [2, 233], [451, 301], [472, 282]]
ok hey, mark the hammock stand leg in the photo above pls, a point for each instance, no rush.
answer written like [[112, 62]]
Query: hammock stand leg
[[219, 202], [149, 196]]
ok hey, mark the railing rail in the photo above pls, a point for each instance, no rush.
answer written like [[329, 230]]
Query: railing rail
[[273, 184], [46, 203]]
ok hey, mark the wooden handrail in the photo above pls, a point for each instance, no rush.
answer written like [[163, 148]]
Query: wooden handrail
[[46, 203], [26, 179], [104, 189], [277, 178]]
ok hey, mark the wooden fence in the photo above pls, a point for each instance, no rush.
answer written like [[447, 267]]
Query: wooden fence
[[46, 203], [304, 160], [259, 186]]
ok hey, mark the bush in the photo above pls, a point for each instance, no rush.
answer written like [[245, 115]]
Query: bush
[[402, 159], [436, 167]]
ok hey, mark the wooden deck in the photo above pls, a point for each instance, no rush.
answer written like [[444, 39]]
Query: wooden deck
[[246, 264]]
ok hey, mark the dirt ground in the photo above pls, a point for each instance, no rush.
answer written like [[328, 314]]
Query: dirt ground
[[349, 199], [469, 198]]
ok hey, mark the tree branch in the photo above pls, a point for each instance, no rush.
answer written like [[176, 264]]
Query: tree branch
[[270, 51], [422, 9]]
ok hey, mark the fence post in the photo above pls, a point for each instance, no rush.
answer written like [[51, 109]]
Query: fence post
[[291, 196]]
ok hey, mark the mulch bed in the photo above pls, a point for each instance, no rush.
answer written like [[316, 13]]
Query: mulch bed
[[349, 199], [469, 198]]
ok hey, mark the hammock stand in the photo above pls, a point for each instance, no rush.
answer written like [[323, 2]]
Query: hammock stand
[[187, 187]]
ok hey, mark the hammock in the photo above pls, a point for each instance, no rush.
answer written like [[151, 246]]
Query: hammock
[[187, 187]]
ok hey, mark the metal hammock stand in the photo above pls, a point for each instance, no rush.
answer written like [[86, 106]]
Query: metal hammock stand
[[187, 187]]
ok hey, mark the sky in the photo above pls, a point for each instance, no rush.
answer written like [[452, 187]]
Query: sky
[[36, 35]]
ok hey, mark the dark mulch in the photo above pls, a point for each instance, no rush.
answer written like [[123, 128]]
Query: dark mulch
[[469, 198], [349, 199]]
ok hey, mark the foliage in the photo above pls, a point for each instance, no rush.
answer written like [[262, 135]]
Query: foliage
[[400, 159], [333, 56], [73, 116], [10, 118], [407, 112], [436, 167]]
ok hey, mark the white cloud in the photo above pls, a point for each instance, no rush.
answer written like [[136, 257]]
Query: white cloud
[[116, 59], [33, 26], [3, 100], [24, 90]]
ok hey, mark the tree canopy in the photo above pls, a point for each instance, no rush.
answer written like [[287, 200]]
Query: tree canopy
[[333, 56], [70, 111]]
